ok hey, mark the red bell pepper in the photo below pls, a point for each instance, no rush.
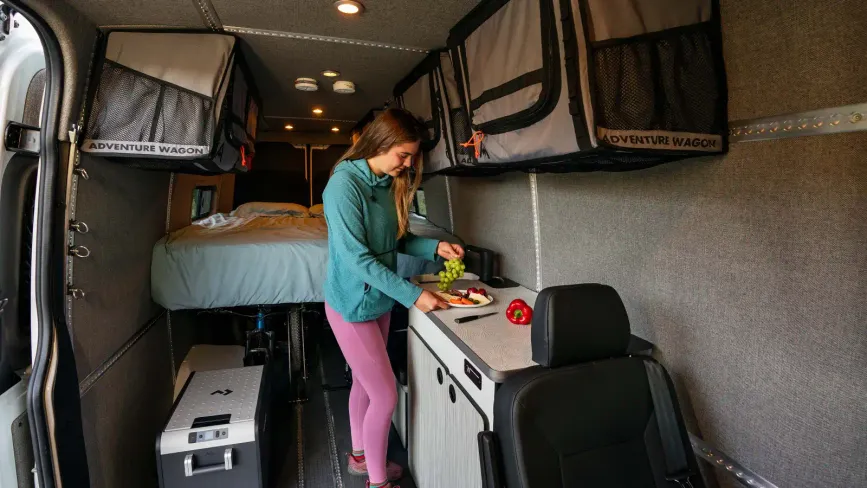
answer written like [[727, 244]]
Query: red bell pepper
[[519, 312]]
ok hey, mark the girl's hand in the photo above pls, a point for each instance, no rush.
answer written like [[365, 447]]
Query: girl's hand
[[450, 251], [429, 302]]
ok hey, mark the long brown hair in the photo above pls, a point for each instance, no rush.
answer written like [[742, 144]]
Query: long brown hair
[[392, 127]]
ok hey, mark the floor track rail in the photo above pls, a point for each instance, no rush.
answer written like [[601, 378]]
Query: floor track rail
[[723, 462], [836, 120]]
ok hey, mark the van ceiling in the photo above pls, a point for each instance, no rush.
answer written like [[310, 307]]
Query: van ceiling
[[418, 25]]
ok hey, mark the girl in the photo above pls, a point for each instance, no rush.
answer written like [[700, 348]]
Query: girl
[[367, 202]]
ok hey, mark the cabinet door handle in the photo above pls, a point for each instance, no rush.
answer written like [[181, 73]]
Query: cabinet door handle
[[440, 375], [452, 395]]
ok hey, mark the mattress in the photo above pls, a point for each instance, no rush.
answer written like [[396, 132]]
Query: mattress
[[228, 261]]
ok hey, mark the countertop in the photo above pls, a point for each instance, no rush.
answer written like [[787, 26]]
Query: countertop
[[499, 347]]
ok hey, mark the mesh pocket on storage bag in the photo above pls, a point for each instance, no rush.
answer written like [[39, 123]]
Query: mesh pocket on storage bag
[[131, 109], [665, 83]]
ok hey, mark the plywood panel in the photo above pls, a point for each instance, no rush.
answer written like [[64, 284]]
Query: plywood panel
[[182, 196]]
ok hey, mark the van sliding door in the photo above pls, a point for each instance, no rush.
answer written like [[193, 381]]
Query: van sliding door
[[52, 399]]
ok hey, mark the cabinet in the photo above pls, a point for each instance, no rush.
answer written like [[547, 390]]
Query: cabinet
[[443, 424]]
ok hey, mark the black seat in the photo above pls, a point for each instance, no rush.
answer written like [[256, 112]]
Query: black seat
[[590, 415]]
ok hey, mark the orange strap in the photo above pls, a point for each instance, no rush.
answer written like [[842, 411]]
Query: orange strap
[[245, 162], [476, 142]]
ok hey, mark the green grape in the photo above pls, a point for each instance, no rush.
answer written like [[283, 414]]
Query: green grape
[[453, 269]]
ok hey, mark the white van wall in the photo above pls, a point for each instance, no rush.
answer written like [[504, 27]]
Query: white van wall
[[746, 271]]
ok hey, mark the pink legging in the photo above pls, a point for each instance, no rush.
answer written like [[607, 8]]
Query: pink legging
[[373, 395]]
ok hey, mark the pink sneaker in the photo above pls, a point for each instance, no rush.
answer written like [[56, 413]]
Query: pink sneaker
[[358, 466], [387, 485]]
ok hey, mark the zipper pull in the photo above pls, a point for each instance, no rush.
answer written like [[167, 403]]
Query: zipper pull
[[476, 142]]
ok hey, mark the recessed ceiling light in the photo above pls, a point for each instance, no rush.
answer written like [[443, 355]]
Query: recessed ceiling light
[[317, 111], [335, 129], [306, 84], [349, 7], [331, 73], [289, 126]]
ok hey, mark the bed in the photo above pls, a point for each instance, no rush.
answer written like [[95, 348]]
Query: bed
[[265, 254]]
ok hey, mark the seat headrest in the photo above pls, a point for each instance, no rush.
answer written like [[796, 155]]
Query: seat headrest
[[578, 323]]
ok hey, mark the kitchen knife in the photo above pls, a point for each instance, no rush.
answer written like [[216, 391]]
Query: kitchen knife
[[468, 318]]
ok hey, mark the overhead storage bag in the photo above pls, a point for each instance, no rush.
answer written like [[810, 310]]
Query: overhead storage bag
[[588, 84], [173, 101], [422, 92], [654, 73]]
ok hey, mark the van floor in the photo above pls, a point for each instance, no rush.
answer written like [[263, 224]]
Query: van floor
[[311, 440]]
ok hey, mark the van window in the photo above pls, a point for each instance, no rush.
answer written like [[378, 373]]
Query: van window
[[203, 201], [418, 204]]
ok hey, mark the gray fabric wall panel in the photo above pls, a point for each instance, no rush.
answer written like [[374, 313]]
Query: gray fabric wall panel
[[796, 56], [22, 451], [184, 334], [77, 36], [33, 100], [277, 62], [125, 410], [125, 209], [496, 213], [437, 201], [748, 273], [173, 13], [414, 23]]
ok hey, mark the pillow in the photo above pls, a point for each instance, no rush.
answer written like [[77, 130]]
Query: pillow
[[317, 210], [253, 209]]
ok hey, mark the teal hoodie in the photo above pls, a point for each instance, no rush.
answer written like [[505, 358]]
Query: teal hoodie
[[361, 283]]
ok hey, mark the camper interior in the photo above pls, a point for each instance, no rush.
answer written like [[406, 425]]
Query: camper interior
[[662, 204]]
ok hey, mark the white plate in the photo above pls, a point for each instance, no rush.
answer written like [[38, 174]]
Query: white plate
[[481, 298]]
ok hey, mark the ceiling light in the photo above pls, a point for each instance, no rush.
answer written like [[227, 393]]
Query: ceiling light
[[344, 87], [306, 84], [317, 111], [335, 129], [331, 73], [349, 7], [289, 126]]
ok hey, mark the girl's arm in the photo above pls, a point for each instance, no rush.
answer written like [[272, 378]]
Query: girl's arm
[[343, 213], [420, 247]]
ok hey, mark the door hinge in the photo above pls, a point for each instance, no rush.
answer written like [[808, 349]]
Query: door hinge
[[22, 138]]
